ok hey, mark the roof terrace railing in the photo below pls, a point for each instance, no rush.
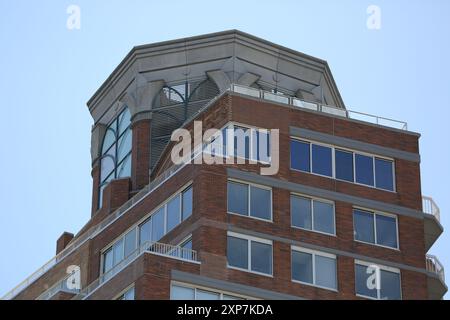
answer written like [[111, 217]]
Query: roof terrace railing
[[430, 207], [162, 249], [314, 106], [435, 266]]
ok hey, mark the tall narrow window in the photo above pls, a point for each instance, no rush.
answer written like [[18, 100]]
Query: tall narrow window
[[364, 169], [115, 160], [300, 155], [384, 174]]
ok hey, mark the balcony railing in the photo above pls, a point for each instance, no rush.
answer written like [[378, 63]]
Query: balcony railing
[[435, 266], [280, 98], [60, 286], [157, 248], [430, 207], [92, 232]]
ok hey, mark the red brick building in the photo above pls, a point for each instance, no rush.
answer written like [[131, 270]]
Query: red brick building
[[343, 217]]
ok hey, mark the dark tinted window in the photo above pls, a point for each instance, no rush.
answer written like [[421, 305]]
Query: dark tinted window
[[344, 165], [384, 174], [300, 155], [364, 169], [321, 160]]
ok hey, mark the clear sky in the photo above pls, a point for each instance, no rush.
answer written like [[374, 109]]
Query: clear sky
[[48, 72]]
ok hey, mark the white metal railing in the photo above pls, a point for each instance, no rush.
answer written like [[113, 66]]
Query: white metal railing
[[61, 285], [430, 207], [280, 98], [95, 230], [435, 266], [158, 248]]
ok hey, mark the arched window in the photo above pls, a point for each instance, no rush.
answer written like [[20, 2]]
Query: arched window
[[116, 152]]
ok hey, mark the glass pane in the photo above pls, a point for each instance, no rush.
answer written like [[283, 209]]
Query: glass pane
[[260, 203], [158, 225], [301, 212], [110, 138], [364, 285], [364, 169], [300, 156], [187, 203], [384, 174], [386, 230], [107, 260], [263, 146], [242, 142], [129, 295], [107, 163], [261, 257], [321, 160], [323, 216], [302, 269], [124, 120], [145, 231], [182, 293], [173, 213], [238, 198], [364, 228], [124, 169], [326, 272], [130, 242], [207, 295], [344, 165], [390, 285], [118, 251], [237, 252], [124, 146]]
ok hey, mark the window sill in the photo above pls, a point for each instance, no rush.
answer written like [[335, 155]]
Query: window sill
[[250, 271]]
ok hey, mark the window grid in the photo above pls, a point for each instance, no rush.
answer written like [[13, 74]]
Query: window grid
[[137, 228], [314, 254], [221, 294], [249, 212], [116, 172], [333, 164], [374, 216], [312, 200], [383, 268], [249, 240]]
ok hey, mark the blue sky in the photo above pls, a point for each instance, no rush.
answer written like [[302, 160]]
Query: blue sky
[[47, 73]]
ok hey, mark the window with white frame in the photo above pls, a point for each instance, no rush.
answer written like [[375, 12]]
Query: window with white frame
[[249, 253], [249, 200], [169, 215], [377, 282], [376, 228], [341, 164], [181, 291], [314, 268], [312, 214], [127, 295]]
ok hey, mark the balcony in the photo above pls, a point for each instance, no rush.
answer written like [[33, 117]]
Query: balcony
[[61, 287], [436, 278], [330, 110], [432, 225], [156, 248]]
